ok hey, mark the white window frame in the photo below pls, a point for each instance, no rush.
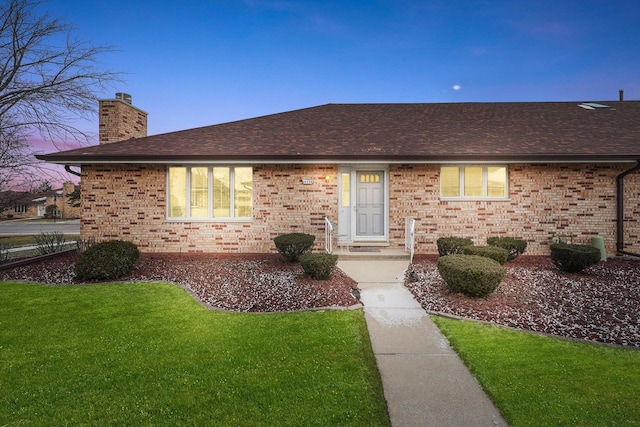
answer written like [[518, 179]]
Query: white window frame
[[209, 217], [485, 181], [20, 208]]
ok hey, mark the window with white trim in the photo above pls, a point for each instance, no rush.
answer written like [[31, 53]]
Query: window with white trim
[[474, 182], [20, 208], [210, 192]]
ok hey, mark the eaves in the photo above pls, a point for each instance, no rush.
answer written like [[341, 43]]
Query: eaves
[[343, 159]]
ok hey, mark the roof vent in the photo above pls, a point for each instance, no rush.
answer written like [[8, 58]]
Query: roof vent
[[594, 106], [124, 97]]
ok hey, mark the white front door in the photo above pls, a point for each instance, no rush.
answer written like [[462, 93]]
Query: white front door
[[362, 204]]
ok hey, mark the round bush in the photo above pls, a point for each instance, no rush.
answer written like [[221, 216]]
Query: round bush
[[452, 245], [107, 260], [318, 265], [574, 258], [497, 254], [473, 275], [292, 245], [515, 247]]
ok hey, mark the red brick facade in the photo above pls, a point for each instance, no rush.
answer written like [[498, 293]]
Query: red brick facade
[[129, 202], [119, 120], [577, 201]]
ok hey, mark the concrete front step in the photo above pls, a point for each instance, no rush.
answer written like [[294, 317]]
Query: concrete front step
[[366, 254]]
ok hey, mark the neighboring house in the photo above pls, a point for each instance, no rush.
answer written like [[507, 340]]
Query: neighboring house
[[46, 204], [534, 170]]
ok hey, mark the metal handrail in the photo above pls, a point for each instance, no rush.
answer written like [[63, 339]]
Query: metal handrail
[[409, 236]]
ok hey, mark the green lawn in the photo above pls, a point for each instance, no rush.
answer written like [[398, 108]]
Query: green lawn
[[541, 381], [7, 242], [148, 354]]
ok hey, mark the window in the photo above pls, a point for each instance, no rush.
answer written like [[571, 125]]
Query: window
[[345, 191], [473, 182], [20, 208], [210, 192], [370, 177]]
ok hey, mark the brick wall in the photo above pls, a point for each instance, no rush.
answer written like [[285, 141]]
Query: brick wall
[[120, 120], [125, 202], [129, 202], [573, 200], [632, 213]]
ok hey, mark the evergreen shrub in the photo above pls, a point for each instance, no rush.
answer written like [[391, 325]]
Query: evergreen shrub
[[574, 258], [497, 254], [293, 245], [452, 245], [319, 266], [473, 275], [107, 260], [515, 247]]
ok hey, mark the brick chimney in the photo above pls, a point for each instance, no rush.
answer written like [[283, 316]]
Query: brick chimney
[[119, 120]]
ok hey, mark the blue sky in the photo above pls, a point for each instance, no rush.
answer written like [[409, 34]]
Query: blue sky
[[196, 63]]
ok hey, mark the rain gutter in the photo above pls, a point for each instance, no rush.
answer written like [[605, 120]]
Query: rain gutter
[[68, 169]]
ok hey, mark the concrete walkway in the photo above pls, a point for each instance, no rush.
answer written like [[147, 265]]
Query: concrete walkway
[[425, 382]]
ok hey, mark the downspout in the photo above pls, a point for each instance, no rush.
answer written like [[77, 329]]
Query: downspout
[[620, 207], [68, 169]]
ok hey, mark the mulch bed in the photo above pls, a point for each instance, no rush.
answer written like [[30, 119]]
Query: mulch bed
[[602, 304], [245, 283]]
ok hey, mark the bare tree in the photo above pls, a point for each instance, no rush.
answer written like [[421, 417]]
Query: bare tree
[[48, 80]]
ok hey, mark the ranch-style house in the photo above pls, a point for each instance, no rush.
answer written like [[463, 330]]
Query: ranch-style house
[[532, 170]]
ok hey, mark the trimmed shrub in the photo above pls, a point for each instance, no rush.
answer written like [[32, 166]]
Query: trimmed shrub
[[293, 245], [318, 265], [574, 258], [497, 254], [515, 247], [452, 245], [107, 260], [473, 275]]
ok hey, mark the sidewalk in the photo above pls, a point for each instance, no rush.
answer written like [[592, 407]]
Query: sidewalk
[[425, 382]]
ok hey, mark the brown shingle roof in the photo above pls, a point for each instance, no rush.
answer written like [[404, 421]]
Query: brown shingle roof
[[536, 131]]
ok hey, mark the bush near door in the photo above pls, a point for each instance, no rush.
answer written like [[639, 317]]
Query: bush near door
[[473, 275]]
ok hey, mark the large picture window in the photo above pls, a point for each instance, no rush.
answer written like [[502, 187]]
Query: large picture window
[[473, 182], [216, 192]]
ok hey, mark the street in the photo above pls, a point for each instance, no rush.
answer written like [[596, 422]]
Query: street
[[34, 227]]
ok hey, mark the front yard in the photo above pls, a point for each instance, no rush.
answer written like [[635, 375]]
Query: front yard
[[149, 354], [540, 381]]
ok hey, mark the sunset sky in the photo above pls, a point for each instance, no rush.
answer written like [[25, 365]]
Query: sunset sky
[[196, 63]]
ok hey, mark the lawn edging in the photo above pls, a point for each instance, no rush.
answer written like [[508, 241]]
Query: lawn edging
[[539, 333], [31, 260]]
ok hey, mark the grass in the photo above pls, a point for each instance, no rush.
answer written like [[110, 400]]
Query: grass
[[28, 240], [148, 354], [542, 381], [8, 242]]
